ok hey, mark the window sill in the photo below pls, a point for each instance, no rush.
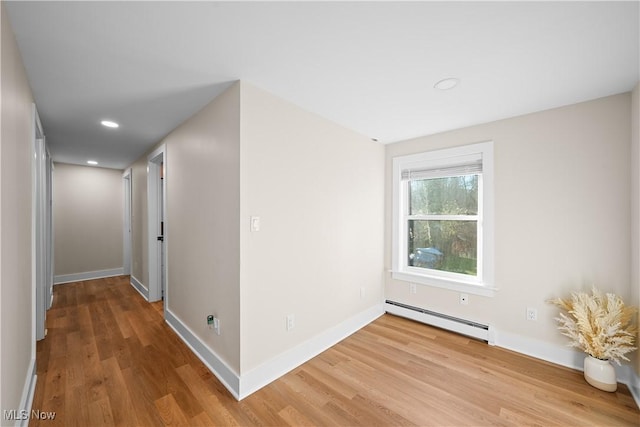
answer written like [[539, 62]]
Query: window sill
[[439, 282]]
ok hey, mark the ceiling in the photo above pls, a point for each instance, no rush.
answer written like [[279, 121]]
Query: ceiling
[[369, 66]]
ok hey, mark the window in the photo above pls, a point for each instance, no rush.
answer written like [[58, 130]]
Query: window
[[443, 218]]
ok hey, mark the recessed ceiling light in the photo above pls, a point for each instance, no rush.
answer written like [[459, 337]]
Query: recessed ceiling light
[[109, 124], [446, 84], [92, 162]]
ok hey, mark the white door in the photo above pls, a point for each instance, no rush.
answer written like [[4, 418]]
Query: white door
[[161, 235], [157, 223]]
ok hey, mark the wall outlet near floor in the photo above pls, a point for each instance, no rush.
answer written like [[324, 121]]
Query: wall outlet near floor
[[412, 288], [532, 313], [363, 291], [216, 325], [291, 321], [464, 299]]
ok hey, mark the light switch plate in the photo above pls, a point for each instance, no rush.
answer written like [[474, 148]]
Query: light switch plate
[[255, 223]]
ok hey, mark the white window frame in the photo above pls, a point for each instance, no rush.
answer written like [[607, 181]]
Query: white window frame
[[483, 283]]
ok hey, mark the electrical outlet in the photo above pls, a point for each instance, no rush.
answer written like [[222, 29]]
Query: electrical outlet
[[532, 313], [412, 288], [291, 322], [216, 325], [464, 299], [210, 321], [363, 291]]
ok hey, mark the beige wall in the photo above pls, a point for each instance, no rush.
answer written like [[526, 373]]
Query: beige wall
[[561, 203], [319, 191], [203, 202], [635, 210], [88, 218], [16, 322], [139, 246], [562, 213]]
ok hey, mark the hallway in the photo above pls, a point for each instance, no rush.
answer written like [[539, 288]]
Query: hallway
[[109, 359]]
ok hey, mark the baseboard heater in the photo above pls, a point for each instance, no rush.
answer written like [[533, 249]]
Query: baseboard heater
[[440, 320]]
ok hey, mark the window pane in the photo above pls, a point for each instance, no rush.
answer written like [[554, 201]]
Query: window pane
[[444, 245], [456, 195]]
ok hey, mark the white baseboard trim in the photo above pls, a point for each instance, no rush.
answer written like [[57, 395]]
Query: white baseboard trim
[[88, 275], [138, 286], [242, 386], [28, 392], [273, 369], [227, 376], [554, 353], [565, 356], [634, 387]]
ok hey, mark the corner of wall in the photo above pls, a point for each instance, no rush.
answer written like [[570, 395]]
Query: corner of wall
[[202, 185], [26, 401], [138, 286], [227, 376], [315, 257], [634, 387], [285, 362], [635, 217]]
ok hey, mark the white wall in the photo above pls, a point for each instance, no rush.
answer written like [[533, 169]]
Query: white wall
[[203, 206], [17, 341], [562, 213], [318, 189], [88, 219]]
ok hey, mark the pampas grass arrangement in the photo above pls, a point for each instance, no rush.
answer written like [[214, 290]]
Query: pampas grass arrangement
[[598, 324]]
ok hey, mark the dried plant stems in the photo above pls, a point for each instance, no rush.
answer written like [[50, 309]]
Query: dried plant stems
[[598, 324]]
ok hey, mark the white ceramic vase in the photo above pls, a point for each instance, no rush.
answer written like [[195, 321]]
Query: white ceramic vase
[[600, 373]]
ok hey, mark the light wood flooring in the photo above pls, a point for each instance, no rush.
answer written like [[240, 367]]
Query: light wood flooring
[[109, 359]]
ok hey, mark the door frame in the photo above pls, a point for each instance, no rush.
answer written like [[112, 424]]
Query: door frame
[[41, 229], [126, 229], [50, 276], [156, 205]]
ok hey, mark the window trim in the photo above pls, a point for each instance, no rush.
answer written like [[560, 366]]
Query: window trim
[[457, 282]]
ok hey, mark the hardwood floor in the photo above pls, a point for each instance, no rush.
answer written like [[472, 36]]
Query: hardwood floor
[[109, 359]]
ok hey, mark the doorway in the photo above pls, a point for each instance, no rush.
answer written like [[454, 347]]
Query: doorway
[[157, 223], [42, 228], [126, 231]]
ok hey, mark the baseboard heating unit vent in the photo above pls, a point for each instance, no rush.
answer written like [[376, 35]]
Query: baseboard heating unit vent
[[444, 321]]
